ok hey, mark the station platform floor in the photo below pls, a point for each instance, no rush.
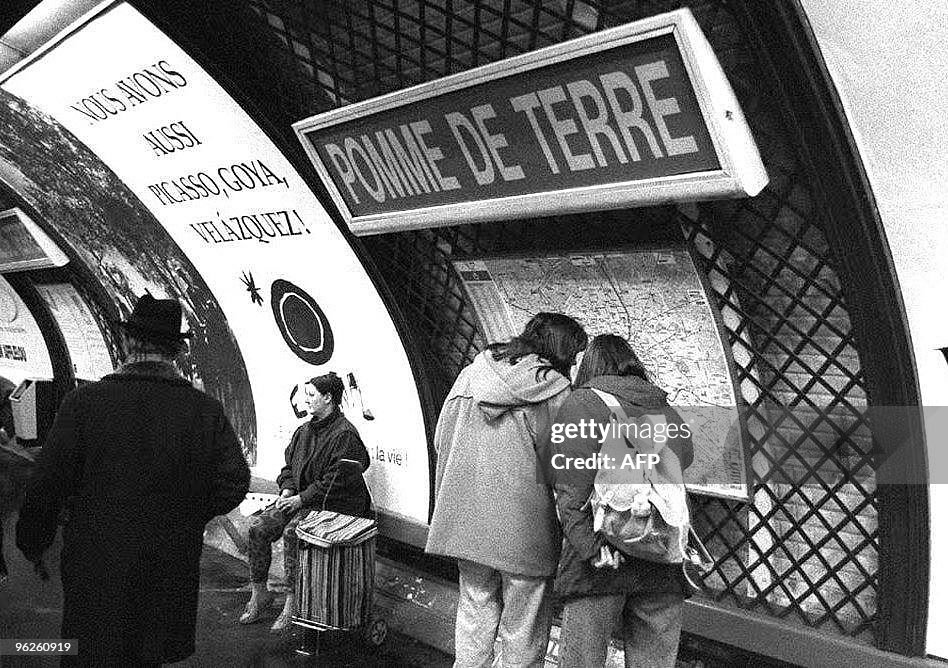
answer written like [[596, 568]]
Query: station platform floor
[[31, 608]]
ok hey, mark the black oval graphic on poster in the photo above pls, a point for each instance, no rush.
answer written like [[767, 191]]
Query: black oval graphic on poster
[[302, 323]]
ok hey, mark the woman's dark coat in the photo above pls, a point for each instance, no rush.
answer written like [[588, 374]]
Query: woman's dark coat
[[145, 460], [576, 576], [324, 464]]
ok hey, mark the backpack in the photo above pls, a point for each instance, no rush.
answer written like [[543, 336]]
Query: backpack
[[643, 511]]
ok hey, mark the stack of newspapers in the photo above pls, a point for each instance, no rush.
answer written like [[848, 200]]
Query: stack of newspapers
[[336, 570]]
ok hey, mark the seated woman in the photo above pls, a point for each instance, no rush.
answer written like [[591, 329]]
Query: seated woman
[[597, 583], [319, 474]]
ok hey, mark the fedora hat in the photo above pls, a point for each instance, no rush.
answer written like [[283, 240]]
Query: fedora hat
[[156, 319]]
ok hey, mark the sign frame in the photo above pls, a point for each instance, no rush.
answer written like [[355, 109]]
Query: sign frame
[[53, 256], [741, 172]]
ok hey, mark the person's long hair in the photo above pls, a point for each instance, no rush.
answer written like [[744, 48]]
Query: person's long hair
[[553, 337], [609, 355]]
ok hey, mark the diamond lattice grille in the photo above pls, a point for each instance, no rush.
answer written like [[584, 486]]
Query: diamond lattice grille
[[806, 547]]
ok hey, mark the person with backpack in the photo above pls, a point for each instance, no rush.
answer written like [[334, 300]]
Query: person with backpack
[[493, 511], [596, 581]]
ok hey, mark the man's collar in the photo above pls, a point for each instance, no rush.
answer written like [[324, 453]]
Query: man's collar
[[149, 368]]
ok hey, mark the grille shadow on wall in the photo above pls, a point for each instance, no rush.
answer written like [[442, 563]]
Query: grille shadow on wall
[[806, 546]]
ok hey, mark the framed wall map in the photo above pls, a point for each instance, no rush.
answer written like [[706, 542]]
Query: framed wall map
[[653, 298]]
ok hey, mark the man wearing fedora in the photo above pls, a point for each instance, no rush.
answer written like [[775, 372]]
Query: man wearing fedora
[[142, 460]]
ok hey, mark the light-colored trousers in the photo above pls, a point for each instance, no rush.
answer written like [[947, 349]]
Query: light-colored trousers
[[514, 610], [650, 630]]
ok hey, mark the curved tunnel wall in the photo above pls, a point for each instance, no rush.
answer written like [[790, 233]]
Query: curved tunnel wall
[[889, 74], [227, 216], [105, 228]]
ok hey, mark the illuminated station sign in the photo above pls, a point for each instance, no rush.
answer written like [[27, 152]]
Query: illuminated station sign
[[638, 115]]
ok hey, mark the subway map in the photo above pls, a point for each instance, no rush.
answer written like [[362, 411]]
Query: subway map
[[655, 300]]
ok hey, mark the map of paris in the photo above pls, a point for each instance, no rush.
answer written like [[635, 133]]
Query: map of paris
[[655, 300]]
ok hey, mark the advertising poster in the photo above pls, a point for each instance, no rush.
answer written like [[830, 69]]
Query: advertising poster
[[23, 352], [75, 194], [89, 353], [294, 294]]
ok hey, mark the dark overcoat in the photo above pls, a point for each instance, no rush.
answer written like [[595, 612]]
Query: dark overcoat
[[324, 464], [144, 460], [576, 576]]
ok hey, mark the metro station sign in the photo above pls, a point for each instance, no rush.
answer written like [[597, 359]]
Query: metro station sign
[[637, 115]]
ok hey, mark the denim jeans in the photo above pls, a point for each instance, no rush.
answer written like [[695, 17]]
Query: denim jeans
[[650, 630], [514, 610]]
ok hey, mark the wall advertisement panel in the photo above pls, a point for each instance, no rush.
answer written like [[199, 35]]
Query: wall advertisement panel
[[90, 355], [23, 352], [296, 297]]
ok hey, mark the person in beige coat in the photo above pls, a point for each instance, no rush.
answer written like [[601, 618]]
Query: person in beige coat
[[493, 511]]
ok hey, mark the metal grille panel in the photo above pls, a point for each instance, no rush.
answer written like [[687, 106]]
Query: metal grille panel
[[806, 547]]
